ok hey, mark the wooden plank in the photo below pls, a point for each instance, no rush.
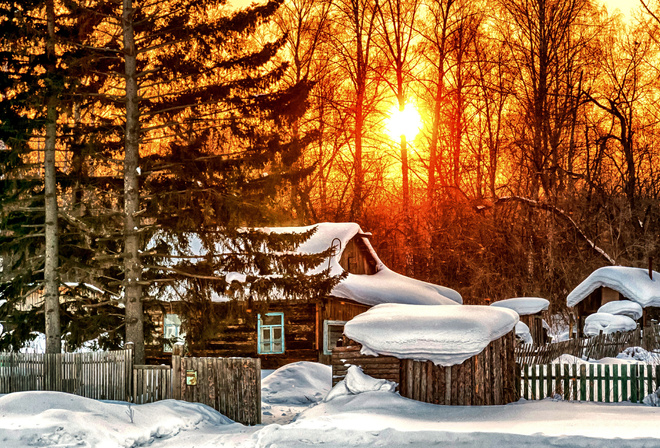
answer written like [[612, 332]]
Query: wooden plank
[[583, 382], [634, 385], [615, 378], [608, 384], [498, 384], [624, 382]]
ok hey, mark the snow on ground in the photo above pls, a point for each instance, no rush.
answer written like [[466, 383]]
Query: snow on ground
[[445, 335], [361, 418], [63, 420], [293, 388]]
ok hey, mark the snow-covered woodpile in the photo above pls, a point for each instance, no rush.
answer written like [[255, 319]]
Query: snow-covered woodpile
[[450, 355], [531, 328]]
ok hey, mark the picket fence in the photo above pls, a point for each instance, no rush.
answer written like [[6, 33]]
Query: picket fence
[[596, 347], [589, 382]]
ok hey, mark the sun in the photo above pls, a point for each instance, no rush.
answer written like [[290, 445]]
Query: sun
[[406, 122]]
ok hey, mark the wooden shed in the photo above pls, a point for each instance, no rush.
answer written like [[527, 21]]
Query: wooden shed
[[613, 283], [283, 331], [431, 367], [488, 378]]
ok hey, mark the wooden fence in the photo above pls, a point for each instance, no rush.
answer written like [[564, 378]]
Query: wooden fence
[[230, 385], [597, 347], [102, 376], [151, 383], [590, 382]]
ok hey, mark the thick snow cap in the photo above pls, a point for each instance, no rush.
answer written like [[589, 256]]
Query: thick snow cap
[[445, 335], [524, 305], [385, 286], [607, 323], [522, 331], [623, 308], [632, 283]]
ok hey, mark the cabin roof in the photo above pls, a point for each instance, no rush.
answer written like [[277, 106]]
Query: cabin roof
[[385, 286], [632, 283]]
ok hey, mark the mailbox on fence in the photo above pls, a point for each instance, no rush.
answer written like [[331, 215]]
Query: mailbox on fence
[[191, 377]]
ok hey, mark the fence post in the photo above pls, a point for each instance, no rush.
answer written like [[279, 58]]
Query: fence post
[[177, 351], [128, 373]]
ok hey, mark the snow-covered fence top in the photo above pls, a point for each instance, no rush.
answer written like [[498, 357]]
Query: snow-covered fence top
[[524, 305], [633, 283], [444, 335]]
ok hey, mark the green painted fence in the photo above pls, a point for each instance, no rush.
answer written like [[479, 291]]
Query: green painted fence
[[607, 383]]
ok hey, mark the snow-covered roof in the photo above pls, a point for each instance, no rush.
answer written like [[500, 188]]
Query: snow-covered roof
[[385, 286], [623, 308], [445, 335], [632, 283], [524, 305], [607, 323]]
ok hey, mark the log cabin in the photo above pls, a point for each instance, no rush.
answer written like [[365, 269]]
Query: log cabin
[[613, 283], [283, 331]]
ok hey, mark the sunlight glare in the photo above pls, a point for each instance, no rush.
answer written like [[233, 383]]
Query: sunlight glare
[[407, 122]]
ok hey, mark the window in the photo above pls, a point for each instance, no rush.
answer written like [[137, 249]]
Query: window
[[332, 332], [172, 331], [270, 333]]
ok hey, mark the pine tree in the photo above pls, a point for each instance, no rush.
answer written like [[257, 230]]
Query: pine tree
[[206, 130], [42, 67]]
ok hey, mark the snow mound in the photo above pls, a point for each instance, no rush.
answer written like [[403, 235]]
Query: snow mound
[[639, 354], [652, 399], [357, 382], [632, 283], [59, 419], [299, 383], [445, 335], [607, 323], [568, 359], [524, 305], [522, 331], [623, 308]]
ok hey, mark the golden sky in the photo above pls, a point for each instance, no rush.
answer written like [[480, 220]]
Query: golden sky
[[625, 6]]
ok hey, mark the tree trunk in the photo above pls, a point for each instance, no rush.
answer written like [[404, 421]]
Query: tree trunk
[[51, 277], [132, 265]]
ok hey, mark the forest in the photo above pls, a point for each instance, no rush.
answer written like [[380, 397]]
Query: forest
[[502, 148]]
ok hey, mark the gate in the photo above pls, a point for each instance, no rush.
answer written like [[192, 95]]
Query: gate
[[232, 386]]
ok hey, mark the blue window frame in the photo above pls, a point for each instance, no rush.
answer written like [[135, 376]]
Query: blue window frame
[[172, 331], [270, 333]]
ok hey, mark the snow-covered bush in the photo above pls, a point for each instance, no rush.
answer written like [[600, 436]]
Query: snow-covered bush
[[653, 399]]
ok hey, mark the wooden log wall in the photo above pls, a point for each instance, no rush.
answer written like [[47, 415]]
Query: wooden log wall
[[385, 367], [231, 330], [489, 378]]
